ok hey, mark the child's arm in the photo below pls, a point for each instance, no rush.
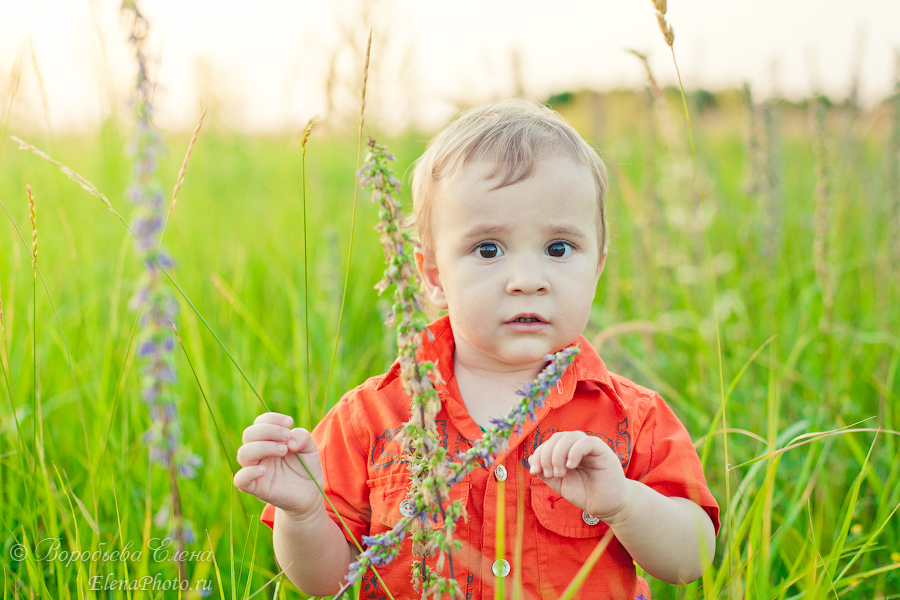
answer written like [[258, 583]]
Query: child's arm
[[673, 539], [308, 544]]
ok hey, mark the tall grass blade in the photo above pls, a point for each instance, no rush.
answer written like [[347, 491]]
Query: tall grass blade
[[362, 121]]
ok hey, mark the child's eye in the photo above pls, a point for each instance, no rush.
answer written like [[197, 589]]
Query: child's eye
[[488, 250], [559, 249]]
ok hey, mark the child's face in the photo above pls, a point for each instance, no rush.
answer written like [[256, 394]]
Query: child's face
[[516, 267]]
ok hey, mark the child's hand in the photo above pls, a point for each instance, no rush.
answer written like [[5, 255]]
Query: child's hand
[[585, 471], [271, 470]]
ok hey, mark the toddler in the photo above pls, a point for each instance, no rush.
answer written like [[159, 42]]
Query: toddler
[[509, 207]]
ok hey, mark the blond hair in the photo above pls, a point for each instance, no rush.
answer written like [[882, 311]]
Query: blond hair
[[513, 134]]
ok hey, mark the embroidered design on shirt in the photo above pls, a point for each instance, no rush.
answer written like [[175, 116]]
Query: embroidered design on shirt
[[621, 445], [385, 451], [371, 589]]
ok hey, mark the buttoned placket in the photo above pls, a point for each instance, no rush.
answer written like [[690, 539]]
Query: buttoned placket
[[503, 470]]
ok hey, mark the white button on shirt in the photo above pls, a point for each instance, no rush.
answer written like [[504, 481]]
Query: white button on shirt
[[407, 508], [500, 568], [589, 519], [500, 473]]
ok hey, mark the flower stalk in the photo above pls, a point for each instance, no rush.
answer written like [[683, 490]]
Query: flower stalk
[[153, 299], [432, 472]]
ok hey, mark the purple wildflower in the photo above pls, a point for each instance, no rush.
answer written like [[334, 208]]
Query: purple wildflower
[[146, 349], [432, 469], [158, 306]]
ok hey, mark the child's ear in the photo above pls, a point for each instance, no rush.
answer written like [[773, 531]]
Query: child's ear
[[601, 264], [431, 279]]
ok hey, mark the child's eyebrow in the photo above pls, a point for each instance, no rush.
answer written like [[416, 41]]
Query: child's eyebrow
[[551, 229], [569, 230], [483, 230]]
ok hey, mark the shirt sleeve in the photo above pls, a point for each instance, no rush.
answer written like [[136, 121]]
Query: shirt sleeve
[[344, 468], [665, 459]]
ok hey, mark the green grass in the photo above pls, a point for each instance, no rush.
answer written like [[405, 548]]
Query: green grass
[[816, 521]]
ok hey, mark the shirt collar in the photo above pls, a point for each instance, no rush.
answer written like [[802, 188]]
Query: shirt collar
[[437, 346]]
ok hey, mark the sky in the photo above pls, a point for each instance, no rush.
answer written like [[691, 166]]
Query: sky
[[265, 65]]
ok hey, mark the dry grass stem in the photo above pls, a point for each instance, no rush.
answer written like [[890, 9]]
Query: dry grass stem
[[41, 87], [84, 183], [313, 122], [651, 80], [34, 250], [362, 121], [664, 27], [624, 327], [14, 81], [663, 116], [362, 106], [184, 163]]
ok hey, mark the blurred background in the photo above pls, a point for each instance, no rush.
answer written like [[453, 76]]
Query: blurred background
[[755, 283], [270, 65]]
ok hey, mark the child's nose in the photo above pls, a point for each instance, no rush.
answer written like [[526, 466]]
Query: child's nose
[[526, 275]]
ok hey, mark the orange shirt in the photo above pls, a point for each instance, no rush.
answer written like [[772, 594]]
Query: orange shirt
[[366, 480]]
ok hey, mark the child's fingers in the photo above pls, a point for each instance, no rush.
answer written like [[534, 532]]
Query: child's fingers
[[543, 459], [266, 431], [560, 456], [582, 447], [252, 453], [274, 419], [536, 460], [563, 451], [245, 478], [301, 441]]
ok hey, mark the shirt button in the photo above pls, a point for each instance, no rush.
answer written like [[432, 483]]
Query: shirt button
[[500, 473], [500, 568], [407, 508], [589, 519]]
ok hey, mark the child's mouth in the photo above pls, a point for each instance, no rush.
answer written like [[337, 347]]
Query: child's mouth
[[527, 324]]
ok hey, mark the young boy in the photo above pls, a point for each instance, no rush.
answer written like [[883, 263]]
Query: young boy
[[509, 206]]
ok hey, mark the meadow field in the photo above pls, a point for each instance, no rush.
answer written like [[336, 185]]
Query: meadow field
[[766, 314]]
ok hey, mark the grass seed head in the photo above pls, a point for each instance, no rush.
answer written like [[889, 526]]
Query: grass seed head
[[664, 27], [184, 164], [307, 131], [365, 81], [34, 248]]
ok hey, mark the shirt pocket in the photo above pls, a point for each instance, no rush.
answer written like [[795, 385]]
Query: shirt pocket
[[565, 538], [386, 494], [560, 516]]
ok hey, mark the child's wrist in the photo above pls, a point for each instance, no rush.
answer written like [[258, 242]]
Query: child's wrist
[[625, 510], [303, 519]]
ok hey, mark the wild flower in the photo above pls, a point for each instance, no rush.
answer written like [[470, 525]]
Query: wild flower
[[432, 474], [893, 155], [153, 298], [822, 218], [533, 397]]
